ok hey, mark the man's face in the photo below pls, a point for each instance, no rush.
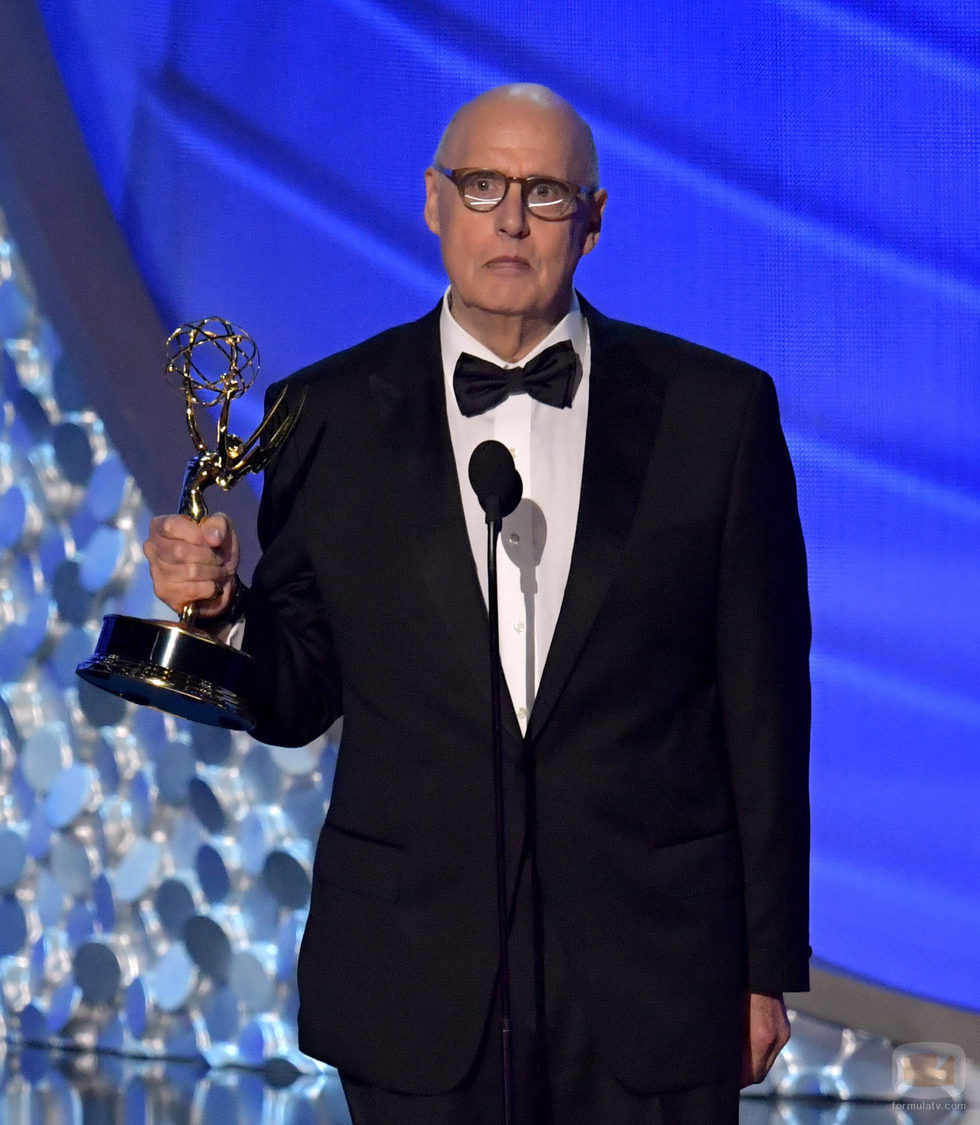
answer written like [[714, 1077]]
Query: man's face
[[507, 262]]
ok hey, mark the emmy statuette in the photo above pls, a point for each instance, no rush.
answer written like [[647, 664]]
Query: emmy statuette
[[174, 666]]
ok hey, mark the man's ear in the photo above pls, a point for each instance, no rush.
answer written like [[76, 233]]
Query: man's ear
[[594, 222], [431, 211]]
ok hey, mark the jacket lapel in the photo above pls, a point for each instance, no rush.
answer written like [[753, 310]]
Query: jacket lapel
[[625, 400], [410, 403]]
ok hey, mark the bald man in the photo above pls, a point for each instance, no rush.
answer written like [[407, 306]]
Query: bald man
[[655, 636]]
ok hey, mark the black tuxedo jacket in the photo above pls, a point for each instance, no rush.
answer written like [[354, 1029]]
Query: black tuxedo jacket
[[667, 744]]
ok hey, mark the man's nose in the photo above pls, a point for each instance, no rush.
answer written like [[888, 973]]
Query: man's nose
[[512, 215]]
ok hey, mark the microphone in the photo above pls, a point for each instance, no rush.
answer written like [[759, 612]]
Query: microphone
[[498, 487], [495, 480]]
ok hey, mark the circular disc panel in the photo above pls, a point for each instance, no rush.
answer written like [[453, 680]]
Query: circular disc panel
[[209, 947], [97, 972], [287, 875], [74, 791], [137, 870], [13, 857], [45, 754]]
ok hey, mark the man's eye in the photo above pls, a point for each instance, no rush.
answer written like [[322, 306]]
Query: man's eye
[[484, 187], [547, 191]]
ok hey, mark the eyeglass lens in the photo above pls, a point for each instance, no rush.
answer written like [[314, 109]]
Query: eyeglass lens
[[546, 198]]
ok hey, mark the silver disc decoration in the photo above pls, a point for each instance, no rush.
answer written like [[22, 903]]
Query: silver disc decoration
[[152, 876]]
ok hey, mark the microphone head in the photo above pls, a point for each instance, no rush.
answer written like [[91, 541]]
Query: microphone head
[[495, 480]]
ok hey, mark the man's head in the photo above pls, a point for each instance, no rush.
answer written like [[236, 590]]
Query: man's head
[[510, 271]]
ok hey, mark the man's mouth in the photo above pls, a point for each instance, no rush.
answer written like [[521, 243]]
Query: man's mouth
[[508, 262]]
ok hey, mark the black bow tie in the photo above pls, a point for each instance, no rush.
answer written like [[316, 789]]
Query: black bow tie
[[550, 378]]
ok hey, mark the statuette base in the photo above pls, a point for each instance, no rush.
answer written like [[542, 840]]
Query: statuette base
[[168, 666]]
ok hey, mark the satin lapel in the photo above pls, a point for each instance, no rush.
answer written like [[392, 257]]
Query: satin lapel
[[625, 399], [411, 405]]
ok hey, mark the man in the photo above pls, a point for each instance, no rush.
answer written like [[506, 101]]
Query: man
[[656, 749]]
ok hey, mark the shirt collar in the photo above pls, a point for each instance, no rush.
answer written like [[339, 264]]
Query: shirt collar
[[456, 340]]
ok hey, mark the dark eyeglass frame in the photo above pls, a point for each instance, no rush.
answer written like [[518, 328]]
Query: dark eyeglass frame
[[527, 183]]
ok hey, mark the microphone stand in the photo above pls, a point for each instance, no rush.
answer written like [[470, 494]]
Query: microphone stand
[[498, 488], [494, 522]]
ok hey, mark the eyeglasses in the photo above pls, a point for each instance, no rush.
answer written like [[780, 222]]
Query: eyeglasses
[[546, 197]]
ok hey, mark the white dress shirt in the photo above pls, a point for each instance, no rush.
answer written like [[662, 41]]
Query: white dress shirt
[[535, 549]]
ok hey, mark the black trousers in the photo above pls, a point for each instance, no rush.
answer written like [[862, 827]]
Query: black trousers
[[561, 1078], [480, 1103]]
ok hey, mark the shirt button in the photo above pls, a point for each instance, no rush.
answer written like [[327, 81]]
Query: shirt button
[[514, 537], [518, 626], [522, 713]]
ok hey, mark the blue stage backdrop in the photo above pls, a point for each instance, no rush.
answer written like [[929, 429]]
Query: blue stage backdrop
[[791, 181]]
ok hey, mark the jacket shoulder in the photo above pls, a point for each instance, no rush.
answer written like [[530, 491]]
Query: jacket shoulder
[[670, 357], [337, 401], [396, 348]]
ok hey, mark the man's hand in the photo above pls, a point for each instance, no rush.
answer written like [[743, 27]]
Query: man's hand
[[193, 562], [766, 1033]]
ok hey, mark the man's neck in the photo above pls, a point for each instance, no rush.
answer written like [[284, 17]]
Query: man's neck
[[508, 336]]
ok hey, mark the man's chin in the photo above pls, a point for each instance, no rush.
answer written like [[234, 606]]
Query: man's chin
[[505, 301]]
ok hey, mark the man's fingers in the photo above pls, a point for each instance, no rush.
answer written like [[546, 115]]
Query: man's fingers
[[216, 529], [188, 592], [178, 527], [209, 597], [767, 1032], [192, 562], [764, 1064], [176, 560], [222, 538]]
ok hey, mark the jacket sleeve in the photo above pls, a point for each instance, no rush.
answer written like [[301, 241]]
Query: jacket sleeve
[[763, 644], [296, 692]]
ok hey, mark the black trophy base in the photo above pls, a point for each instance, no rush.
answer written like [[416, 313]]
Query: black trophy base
[[173, 668]]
